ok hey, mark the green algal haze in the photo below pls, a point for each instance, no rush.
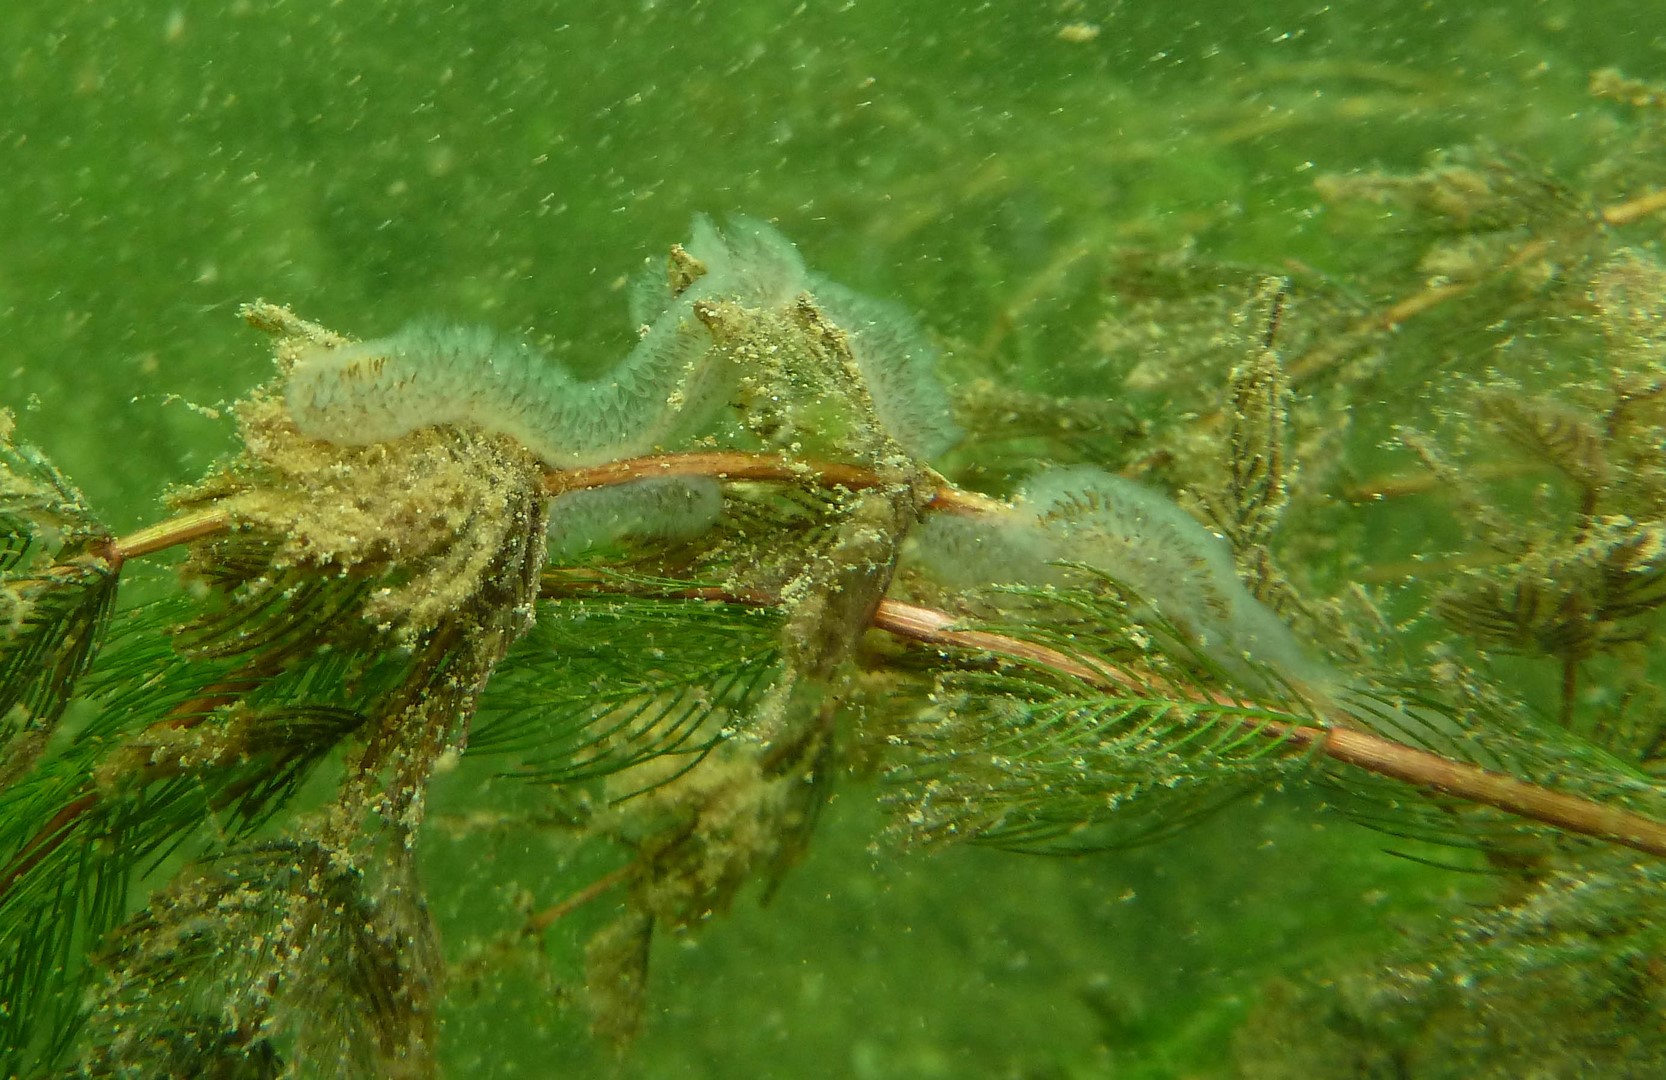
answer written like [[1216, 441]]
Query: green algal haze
[[1274, 446]]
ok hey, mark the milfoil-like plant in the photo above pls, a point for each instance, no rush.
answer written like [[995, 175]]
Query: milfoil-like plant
[[661, 595]]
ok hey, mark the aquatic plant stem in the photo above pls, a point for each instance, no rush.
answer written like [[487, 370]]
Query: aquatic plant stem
[[183, 529], [50, 837], [1389, 318], [1337, 741], [540, 921], [740, 465], [1361, 749], [720, 465], [187, 714], [1633, 210]]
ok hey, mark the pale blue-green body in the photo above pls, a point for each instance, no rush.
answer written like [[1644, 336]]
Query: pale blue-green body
[[671, 384]]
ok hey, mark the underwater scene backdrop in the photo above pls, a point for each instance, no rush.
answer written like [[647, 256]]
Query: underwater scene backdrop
[[1245, 377]]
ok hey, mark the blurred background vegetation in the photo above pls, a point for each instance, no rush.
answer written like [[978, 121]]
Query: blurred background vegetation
[[999, 168]]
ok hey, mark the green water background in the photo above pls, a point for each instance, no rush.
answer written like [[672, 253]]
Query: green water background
[[512, 162]]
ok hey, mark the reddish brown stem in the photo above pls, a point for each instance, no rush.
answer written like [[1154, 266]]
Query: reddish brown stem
[[1361, 749], [166, 534], [46, 841], [540, 921], [1431, 772], [720, 465], [1339, 742], [739, 465], [183, 716]]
